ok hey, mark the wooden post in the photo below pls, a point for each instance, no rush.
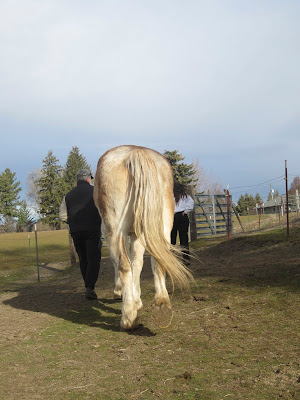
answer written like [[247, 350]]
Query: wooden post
[[248, 219], [193, 225], [37, 254], [238, 217]]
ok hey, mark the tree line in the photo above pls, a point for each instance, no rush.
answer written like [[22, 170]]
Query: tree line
[[47, 186], [248, 203]]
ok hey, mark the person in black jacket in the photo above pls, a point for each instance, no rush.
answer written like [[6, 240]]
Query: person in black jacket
[[79, 211]]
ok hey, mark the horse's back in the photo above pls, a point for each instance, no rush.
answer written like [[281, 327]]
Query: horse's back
[[118, 156]]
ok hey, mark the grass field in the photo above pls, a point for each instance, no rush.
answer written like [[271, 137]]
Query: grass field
[[19, 249], [233, 336], [18, 253]]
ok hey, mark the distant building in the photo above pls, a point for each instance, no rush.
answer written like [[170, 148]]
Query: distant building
[[273, 206], [278, 204]]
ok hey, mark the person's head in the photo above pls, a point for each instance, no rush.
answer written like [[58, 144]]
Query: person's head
[[180, 190], [84, 175]]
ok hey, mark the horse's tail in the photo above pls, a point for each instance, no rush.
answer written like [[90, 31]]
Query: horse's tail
[[149, 193]]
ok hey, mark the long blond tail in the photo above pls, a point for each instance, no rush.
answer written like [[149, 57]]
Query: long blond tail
[[148, 217]]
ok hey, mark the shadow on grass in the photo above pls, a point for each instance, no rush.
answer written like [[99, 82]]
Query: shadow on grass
[[64, 302]]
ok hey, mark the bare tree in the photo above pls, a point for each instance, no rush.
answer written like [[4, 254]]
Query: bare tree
[[295, 185], [206, 181], [32, 188]]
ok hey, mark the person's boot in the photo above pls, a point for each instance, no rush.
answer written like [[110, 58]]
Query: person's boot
[[90, 294]]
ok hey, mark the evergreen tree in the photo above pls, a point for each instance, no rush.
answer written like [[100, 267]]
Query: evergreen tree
[[183, 173], [251, 202], [241, 205], [258, 199], [51, 188], [9, 193], [75, 162], [25, 220], [246, 202]]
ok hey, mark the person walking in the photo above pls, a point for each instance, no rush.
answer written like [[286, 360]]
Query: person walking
[[183, 205], [79, 211]]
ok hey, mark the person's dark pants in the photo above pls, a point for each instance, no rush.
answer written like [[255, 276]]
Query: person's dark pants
[[181, 225], [89, 253]]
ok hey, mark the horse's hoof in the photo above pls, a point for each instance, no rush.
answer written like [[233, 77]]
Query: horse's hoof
[[162, 315], [127, 326]]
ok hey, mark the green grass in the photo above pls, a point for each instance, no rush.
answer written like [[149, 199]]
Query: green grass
[[18, 253], [19, 249]]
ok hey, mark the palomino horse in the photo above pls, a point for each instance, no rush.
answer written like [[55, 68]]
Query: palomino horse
[[134, 195]]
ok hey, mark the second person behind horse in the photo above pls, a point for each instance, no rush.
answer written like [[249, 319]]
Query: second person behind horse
[[183, 205]]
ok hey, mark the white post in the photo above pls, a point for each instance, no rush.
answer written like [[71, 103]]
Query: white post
[[297, 200]]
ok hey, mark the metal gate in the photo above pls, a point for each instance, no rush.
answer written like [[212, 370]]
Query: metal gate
[[211, 214]]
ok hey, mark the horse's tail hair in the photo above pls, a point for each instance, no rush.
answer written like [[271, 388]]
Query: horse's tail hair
[[148, 217]]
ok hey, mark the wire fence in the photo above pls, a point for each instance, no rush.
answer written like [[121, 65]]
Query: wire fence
[[265, 188], [26, 249], [41, 248]]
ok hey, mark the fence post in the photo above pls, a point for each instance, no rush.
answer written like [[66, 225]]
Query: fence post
[[297, 202], [193, 225], [37, 254], [259, 216], [214, 213], [248, 219], [29, 249], [287, 202], [238, 217], [228, 213]]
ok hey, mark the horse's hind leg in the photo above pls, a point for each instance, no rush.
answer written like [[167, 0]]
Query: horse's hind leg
[[124, 277], [161, 293], [137, 252], [118, 284], [115, 260], [161, 310]]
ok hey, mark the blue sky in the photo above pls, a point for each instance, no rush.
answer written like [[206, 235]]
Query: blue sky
[[218, 81]]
